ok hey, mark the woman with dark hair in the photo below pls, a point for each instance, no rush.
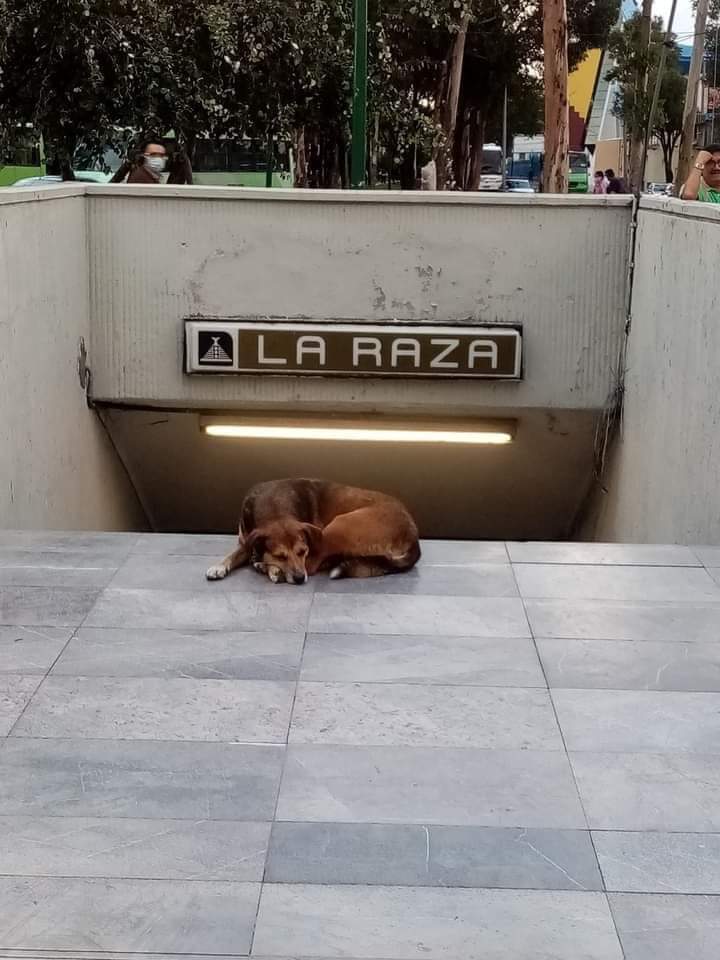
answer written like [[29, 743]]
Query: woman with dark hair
[[151, 162]]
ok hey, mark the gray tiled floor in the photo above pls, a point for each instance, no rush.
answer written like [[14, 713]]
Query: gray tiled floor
[[510, 752]]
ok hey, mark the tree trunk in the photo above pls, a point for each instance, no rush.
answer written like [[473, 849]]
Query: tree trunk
[[477, 139], [374, 151], [447, 106], [687, 143], [557, 126], [301, 173], [637, 132]]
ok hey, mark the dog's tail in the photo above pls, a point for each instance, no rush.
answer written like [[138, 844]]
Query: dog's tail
[[377, 566], [405, 561]]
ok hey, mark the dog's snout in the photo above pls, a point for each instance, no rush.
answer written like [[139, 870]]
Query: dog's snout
[[299, 576]]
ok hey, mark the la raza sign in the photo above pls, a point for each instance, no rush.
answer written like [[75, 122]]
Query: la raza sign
[[326, 348]]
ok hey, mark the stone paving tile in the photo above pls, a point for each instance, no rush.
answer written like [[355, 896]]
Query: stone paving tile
[[60, 541], [643, 721], [427, 615], [464, 551], [440, 579], [286, 609], [120, 708], [425, 785], [403, 923], [15, 694], [31, 650], [45, 606], [154, 916], [485, 661], [105, 778], [645, 791], [613, 554], [424, 716], [185, 544], [710, 556], [628, 665], [151, 572], [418, 855], [598, 582], [659, 862], [147, 849], [666, 927], [604, 620], [87, 577], [216, 655]]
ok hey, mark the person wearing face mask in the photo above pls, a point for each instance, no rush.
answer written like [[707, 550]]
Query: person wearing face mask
[[148, 167]]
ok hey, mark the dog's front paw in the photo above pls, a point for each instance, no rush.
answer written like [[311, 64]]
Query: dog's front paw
[[275, 574], [218, 572]]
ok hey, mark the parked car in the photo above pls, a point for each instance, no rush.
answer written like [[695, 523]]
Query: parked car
[[51, 180], [514, 185], [658, 189]]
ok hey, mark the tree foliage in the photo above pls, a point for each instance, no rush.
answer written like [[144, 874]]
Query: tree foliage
[[632, 106], [90, 71]]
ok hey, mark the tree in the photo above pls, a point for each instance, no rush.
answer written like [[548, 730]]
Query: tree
[[632, 106], [67, 67], [668, 120]]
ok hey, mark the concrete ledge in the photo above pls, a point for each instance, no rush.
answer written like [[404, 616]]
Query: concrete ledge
[[421, 197], [10, 195], [673, 206]]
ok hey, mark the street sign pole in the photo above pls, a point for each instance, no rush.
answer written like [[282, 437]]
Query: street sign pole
[[359, 104]]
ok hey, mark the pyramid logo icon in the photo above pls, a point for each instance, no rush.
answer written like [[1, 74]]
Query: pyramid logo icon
[[215, 353], [215, 348]]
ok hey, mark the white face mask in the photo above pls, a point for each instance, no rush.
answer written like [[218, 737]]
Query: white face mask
[[156, 164]]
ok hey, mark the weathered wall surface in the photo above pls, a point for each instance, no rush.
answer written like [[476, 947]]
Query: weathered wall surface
[[557, 265], [664, 480], [57, 466]]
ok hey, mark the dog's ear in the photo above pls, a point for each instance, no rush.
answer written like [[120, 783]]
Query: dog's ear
[[255, 543], [313, 535]]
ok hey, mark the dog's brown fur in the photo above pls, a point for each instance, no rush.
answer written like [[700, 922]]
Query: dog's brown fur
[[290, 529]]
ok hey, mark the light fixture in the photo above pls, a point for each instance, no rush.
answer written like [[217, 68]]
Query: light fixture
[[366, 430]]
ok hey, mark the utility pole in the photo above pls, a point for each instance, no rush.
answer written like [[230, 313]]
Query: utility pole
[[635, 174], [557, 125], [504, 138], [667, 45], [715, 70], [687, 143], [359, 102]]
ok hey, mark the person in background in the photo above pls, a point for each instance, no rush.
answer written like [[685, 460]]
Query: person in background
[[147, 167], [614, 184], [703, 182], [179, 168], [599, 184]]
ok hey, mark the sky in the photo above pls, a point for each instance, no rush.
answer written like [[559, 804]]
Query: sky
[[684, 24]]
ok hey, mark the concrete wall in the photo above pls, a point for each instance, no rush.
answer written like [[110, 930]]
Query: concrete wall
[[664, 479], [57, 466], [556, 264]]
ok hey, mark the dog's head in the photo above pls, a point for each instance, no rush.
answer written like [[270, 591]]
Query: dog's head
[[285, 544]]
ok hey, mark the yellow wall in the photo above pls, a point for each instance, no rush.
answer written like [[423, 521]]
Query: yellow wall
[[581, 83]]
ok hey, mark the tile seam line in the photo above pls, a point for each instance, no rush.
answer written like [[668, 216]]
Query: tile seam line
[[349, 883], [282, 774], [572, 774]]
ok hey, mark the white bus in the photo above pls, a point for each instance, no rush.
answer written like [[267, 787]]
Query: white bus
[[491, 168]]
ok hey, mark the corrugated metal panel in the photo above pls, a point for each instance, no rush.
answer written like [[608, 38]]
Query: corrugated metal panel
[[556, 265]]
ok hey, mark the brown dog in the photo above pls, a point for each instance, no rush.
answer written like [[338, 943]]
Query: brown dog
[[290, 529]]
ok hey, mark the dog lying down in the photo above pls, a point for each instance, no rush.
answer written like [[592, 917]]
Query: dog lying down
[[290, 529]]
